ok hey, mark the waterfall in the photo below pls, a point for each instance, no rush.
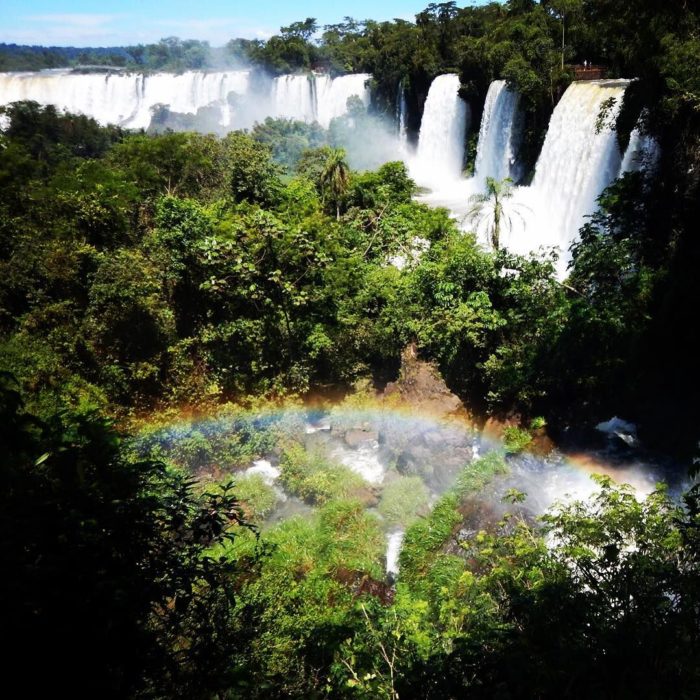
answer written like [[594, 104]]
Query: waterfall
[[440, 153], [125, 99], [401, 115], [642, 153], [293, 98], [578, 161], [318, 97], [393, 549], [332, 95], [499, 136]]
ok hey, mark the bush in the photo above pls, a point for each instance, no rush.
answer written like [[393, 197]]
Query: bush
[[426, 538], [316, 480], [257, 497], [478, 474], [537, 423], [516, 440], [404, 500]]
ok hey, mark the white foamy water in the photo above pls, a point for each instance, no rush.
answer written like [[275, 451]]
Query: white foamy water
[[402, 117], [332, 95], [642, 153], [312, 428], [394, 540], [363, 461], [568, 483], [269, 474], [499, 136], [262, 467], [440, 155], [578, 161], [293, 98], [126, 99]]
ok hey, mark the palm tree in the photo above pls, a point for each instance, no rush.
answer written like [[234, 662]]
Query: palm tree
[[488, 207], [335, 178]]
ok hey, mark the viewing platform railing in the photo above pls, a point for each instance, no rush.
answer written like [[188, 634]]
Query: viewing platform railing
[[588, 72]]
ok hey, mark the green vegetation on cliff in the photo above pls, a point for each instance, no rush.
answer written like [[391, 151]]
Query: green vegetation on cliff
[[149, 276]]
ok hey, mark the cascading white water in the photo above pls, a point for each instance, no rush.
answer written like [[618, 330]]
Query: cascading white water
[[576, 163], [126, 99], [401, 115], [332, 95], [394, 541], [579, 159], [642, 153], [499, 136], [317, 97], [293, 98], [440, 153]]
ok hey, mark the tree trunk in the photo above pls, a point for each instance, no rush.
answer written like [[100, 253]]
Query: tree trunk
[[496, 233], [563, 40]]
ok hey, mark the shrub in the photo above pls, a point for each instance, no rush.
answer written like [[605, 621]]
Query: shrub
[[537, 423], [257, 496], [475, 476], [316, 480], [426, 538], [516, 440], [404, 500]]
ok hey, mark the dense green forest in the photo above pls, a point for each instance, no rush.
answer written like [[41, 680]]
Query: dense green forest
[[149, 277], [170, 54]]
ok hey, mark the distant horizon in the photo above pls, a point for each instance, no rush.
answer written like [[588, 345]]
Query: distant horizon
[[129, 23]]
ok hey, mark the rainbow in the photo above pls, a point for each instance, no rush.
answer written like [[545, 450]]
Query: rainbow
[[256, 431]]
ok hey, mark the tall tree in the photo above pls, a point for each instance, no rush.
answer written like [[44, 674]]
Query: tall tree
[[302, 30], [489, 208], [335, 178]]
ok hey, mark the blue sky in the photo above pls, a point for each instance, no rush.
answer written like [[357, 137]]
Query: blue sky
[[119, 22]]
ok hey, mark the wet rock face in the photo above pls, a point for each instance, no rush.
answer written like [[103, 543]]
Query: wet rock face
[[361, 584], [421, 386], [436, 466], [360, 437], [423, 433], [436, 454]]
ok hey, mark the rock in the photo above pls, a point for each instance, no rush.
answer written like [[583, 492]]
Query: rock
[[359, 437], [417, 462], [619, 430], [361, 584], [541, 445], [495, 427], [437, 467], [434, 439], [449, 464], [367, 496], [421, 386]]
